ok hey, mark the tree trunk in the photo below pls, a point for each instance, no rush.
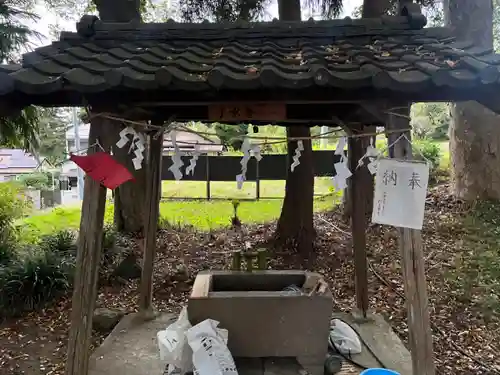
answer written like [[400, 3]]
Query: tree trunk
[[295, 225], [374, 8], [118, 10], [474, 130], [289, 10], [129, 197]]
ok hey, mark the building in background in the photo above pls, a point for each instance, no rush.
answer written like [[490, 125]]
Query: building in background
[[15, 163], [186, 141], [83, 131]]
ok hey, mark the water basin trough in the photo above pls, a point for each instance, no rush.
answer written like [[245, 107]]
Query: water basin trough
[[264, 319]]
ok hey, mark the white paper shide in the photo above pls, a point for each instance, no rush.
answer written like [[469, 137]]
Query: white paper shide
[[137, 146], [177, 162], [342, 172], [400, 191]]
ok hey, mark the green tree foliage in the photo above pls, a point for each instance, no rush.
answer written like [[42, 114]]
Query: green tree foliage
[[222, 10], [231, 136], [39, 130], [21, 129], [151, 10], [14, 35], [232, 10], [430, 120], [432, 7], [52, 128], [12, 207], [38, 181]]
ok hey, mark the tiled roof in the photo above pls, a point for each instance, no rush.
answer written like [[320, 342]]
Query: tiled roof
[[15, 158], [391, 53]]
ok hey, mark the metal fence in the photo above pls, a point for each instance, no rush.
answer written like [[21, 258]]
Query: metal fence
[[211, 168]]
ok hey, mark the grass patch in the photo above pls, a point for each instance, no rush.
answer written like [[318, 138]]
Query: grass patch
[[51, 221], [223, 189], [202, 215], [217, 214]]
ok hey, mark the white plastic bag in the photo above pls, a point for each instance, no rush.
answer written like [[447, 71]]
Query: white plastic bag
[[211, 355], [344, 338], [174, 348]]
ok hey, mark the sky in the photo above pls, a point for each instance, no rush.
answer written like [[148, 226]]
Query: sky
[[47, 18]]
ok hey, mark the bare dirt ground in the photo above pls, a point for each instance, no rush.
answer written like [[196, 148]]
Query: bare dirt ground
[[466, 333]]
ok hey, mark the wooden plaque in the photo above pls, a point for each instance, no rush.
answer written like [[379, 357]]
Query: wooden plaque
[[247, 112]]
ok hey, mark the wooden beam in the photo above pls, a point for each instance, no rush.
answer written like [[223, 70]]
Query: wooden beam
[[412, 256], [152, 212], [87, 266], [358, 223], [247, 111]]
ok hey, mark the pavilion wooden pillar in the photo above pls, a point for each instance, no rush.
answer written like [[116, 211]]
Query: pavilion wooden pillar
[[357, 190], [412, 257], [87, 265], [152, 212]]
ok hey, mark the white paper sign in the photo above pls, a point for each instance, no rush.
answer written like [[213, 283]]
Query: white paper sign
[[400, 191]]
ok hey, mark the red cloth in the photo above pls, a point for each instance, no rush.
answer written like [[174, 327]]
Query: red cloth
[[103, 168]]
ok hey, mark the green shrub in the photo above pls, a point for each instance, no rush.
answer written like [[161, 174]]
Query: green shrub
[[109, 236], [425, 149], [12, 206], [32, 281], [39, 181], [7, 252], [109, 239], [62, 243]]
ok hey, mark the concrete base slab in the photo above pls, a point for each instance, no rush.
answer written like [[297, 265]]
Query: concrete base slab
[[381, 346], [131, 348]]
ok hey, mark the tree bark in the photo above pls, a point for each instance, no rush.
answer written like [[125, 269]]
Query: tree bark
[[129, 197], [474, 130], [295, 225], [374, 8], [119, 10], [289, 10]]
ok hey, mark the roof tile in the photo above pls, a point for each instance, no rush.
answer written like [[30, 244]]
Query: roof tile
[[391, 53]]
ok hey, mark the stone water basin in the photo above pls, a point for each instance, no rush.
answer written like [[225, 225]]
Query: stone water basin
[[263, 320]]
